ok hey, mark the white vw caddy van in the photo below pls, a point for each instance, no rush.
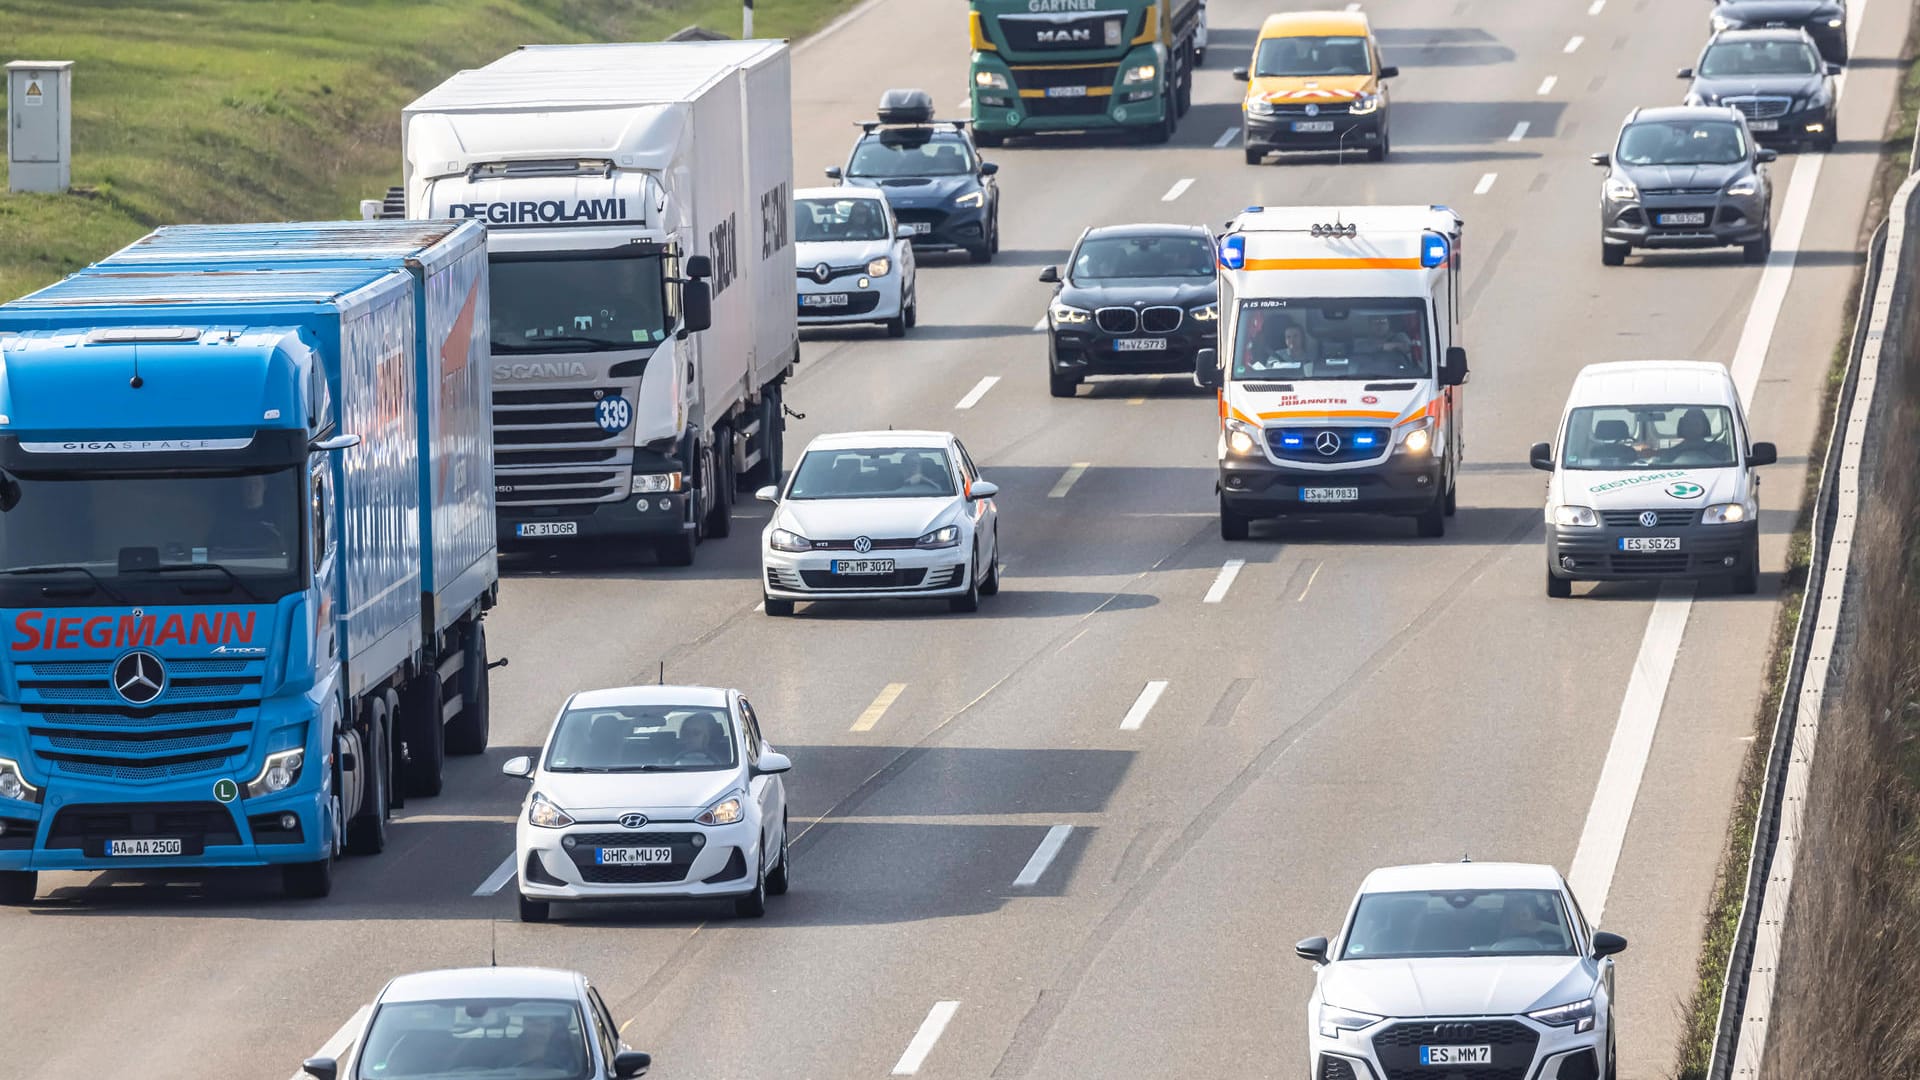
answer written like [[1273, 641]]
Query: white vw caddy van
[[1653, 477]]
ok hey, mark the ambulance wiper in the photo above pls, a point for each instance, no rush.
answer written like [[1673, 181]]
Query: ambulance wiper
[[95, 578], [184, 568]]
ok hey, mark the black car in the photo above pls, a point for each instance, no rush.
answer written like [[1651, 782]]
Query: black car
[[1685, 176], [1136, 300], [1776, 79], [932, 174], [1824, 20]]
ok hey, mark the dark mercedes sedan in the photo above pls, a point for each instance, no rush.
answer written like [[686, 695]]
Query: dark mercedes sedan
[[1824, 20], [1775, 78], [1135, 300]]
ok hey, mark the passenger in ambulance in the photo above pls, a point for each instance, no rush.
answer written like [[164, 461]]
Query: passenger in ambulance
[[1291, 354]]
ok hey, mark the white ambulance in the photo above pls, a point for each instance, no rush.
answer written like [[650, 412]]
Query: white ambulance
[[1340, 364]]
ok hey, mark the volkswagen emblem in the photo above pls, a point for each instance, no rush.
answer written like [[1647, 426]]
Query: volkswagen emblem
[[862, 545], [1313, 110], [632, 821], [1649, 519], [823, 273], [139, 677], [1327, 442]]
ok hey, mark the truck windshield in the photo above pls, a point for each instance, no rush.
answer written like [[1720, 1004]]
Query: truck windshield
[[1294, 57], [1623, 437], [561, 304], [897, 154], [139, 538], [1331, 339]]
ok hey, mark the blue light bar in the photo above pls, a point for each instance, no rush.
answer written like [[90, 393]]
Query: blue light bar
[[1363, 440], [1256, 210], [1291, 440], [1233, 252], [1433, 251]]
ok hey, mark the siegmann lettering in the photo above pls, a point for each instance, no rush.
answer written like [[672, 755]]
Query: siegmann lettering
[[38, 630], [775, 219]]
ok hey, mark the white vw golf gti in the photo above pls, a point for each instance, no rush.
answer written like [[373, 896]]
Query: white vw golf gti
[[653, 793], [882, 515], [1463, 971]]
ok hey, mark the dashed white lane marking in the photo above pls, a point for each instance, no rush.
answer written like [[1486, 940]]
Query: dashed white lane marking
[[1226, 138], [1519, 131], [1050, 846], [881, 703], [1486, 183], [922, 1045], [337, 1045], [1178, 189], [1574, 43], [1142, 705], [1546, 85], [1041, 325], [1073, 473], [1592, 9], [979, 391], [498, 879], [1224, 581]]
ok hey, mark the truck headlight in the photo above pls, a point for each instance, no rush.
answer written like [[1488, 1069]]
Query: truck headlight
[[990, 80], [1243, 438], [655, 483], [1724, 514], [1140, 73], [1364, 104], [1067, 315], [1335, 1021], [13, 783], [1206, 313], [542, 811], [1580, 516], [1578, 1015], [1746, 185], [725, 811], [880, 266], [1621, 189], [971, 198], [1259, 107], [944, 537], [281, 771], [785, 540]]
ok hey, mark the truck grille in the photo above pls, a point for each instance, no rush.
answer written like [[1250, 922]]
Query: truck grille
[[1760, 108], [1045, 33], [88, 826], [1071, 106], [545, 436], [77, 725]]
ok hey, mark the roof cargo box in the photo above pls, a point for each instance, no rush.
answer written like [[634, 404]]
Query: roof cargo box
[[906, 107]]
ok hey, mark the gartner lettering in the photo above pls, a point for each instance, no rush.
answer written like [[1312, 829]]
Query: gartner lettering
[[544, 211], [38, 630], [1048, 6]]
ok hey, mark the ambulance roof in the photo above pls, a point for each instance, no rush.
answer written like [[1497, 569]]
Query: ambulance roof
[[1365, 219]]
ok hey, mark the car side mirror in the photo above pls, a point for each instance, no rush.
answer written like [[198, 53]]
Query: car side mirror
[[1240, 74], [1835, 69], [1683, 73], [833, 172], [1766, 154], [1453, 366], [1541, 456], [770, 493], [1600, 159], [1762, 453], [1313, 948], [1051, 275], [521, 767], [696, 307], [988, 168], [1389, 71], [903, 232], [320, 1068], [1605, 944], [982, 489], [628, 1063], [1206, 369], [771, 764], [338, 442]]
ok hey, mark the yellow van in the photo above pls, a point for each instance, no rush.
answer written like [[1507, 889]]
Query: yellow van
[[1316, 83]]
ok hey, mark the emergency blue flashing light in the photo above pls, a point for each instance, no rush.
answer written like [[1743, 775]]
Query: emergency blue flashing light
[[1433, 251], [1291, 440], [1233, 252], [1363, 440], [1256, 210]]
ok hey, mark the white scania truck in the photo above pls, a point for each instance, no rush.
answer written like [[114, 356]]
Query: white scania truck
[[638, 203]]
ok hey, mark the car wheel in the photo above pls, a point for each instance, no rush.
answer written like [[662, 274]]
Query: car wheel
[[534, 910], [994, 246], [18, 887], [1255, 155], [1747, 581], [1432, 521], [1758, 251], [1831, 137], [1233, 526], [981, 254], [968, 601], [897, 326], [1060, 385], [1613, 254], [991, 586], [778, 608], [1613, 1054], [1379, 153], [1558, 588], [913, 311], [781, 879], [754, 904]]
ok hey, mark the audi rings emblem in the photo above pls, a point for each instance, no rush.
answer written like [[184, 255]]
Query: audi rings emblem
[[632, 821], [823, 273], [1649, 519], [862, 545], [139, 677], [1327, 442]]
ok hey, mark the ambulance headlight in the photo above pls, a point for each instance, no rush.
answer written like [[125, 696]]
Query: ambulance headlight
[[1364, 104], [1417, 438], [1243, 438]]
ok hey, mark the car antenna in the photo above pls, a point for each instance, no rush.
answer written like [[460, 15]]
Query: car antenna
[[1464, 857], [493, 943], [663, 673]]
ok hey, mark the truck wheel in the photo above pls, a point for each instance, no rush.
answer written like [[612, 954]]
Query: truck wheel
[[307, 881], [1558, 588], [426, 732], [988, 139], [1233, 526], [18, 887], [468, 731], [720, 518], [1163, 131], [1184, 99], [679, 550], [367, 829], [1433, 520]]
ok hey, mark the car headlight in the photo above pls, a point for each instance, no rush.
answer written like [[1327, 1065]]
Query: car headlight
[[971, 198], [1581, 516], [1746, 185], [945, 536], [1579, 1015], [281, 771], [1243, 438], [1621, 189], [725, 811], [1067, 315], [787, 540], [1334, 1021], [1724, 514], [1835, 24], [880, 266], [990, 80], [1140, 73], [1417, 438], [1205, 313], [1259, 107], [1365, 104], [655, 483], [543, 812], [13, 783]]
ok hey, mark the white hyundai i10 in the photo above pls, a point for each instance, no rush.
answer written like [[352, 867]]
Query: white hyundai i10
[[1449, 971], [653, 793]]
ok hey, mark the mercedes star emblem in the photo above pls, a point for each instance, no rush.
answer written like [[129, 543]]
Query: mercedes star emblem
[[1649, 519], [632, 821], [862, 545], [822, 273], [139, 677], [1327, 442]]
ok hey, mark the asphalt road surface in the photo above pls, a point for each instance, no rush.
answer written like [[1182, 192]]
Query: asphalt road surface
[[995, 878]]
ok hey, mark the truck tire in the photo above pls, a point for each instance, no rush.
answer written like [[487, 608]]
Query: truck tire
[[307, 881], [1162, 132], [419, 717], [1184, 99], [367, 829], [679, 550], [988, 139], [720, 517], [468, 731], [18, 887]]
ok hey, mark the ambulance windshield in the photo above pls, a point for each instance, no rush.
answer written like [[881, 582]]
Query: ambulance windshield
[[1296, 339]]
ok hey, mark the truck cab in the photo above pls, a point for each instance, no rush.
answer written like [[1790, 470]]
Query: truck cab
[[1042, 66], [1340, 383]]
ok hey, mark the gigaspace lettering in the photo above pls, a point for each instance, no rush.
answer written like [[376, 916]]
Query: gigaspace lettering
[[39, 630], [545, 211]]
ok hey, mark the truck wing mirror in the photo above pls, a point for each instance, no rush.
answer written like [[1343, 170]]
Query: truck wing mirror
[[338, 442], [1453, 367], [1206, 369], [696, 307], [699, 267], [1541, 457]]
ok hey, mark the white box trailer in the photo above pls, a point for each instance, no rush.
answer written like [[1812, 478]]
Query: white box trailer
[[638, 199]]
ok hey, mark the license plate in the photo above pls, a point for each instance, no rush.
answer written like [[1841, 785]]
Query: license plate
[[1649, 543], [824, 300], [1141, 344], [862, 566], [632, 856], [143, 847], [547, 528], [1313, 125], [1325, 495], [919, 228], [1694, 218], [1456, 1055], [1066, 91], [1763, 125]]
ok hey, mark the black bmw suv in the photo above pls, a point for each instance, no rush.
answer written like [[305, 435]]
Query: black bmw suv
[[932, 174], [1135, 300]]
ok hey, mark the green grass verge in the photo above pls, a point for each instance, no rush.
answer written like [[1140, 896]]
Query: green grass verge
[[238, 110]]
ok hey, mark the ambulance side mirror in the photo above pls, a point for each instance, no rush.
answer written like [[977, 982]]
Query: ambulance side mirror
[[1206, 369], [1453, 367]]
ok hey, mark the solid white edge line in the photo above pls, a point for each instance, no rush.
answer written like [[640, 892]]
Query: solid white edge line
[[1178, 189], [1546, 85], [1050, 846], [499, 878], [979, 391], [1519, 131], [930, 1029], [1486, 183], [1574, 43], [340, 1040], [1756, 336], [1226, 138], [1223, 581], [1068, 479], [1142, 705]]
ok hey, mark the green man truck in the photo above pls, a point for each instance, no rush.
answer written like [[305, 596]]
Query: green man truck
[[1083, 65]]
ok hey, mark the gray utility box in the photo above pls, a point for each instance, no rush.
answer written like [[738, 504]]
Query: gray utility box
[[39, 125]]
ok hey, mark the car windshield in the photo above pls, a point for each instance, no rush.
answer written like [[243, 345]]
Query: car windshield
[[642, 738], [1648, 437], [576, 304], [1467, 922], [1331, 339], [1283, 57], [880, 473], [1736, 58], [1109, 258], [826, 220], [910, 153], [459, 1039], [1682, 142]]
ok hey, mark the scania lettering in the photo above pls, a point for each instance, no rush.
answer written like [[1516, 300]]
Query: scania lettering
[[242, 614], [1081, 65], [1339, 385], [644, 307]]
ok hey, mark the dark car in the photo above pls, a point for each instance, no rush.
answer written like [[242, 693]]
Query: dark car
[[1685, 176], [1824, 20], [1776, 79], [932, 174], [1136, 300]]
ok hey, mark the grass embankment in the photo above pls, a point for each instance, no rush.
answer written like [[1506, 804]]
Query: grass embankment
[[237, 110], [1852, 745]]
